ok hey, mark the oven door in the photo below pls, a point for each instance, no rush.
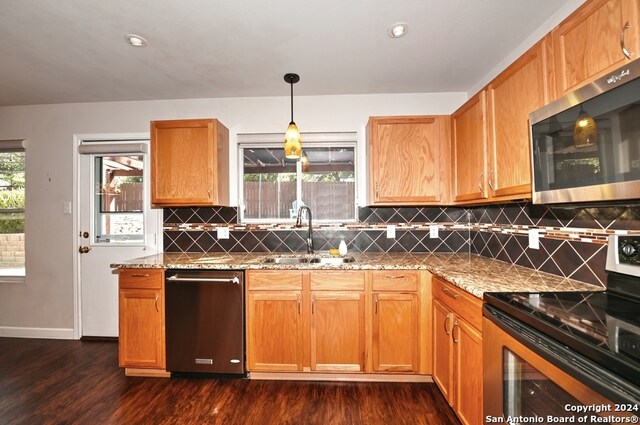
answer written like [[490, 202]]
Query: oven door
[[529, 378]]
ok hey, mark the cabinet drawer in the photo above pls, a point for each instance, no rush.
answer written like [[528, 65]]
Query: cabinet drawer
[[274, 280], [459, 301], [337, 280], [395, 280], [141, 278]]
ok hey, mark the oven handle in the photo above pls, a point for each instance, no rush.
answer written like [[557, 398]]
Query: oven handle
[[602, 380]]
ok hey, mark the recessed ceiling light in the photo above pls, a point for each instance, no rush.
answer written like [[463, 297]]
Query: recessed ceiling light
[[397, 30], [135, 40]]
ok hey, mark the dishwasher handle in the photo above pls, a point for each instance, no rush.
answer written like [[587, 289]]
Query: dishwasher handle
[[234, 279]]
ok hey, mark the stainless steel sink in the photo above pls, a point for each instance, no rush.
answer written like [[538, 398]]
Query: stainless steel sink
[[308, 260]]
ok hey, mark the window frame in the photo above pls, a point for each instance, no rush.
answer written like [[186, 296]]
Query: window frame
[[14, 146], [310, 140]]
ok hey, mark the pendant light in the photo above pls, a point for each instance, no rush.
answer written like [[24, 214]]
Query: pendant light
[[585, 132], [292, 141]]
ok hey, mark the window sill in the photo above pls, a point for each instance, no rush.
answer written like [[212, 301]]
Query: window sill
[[12, 279]]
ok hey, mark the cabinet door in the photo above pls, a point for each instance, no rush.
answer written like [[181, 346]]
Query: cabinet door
[[337, 331], [470, 150], [587, 45], [189, 163], [274, 331], [141, 340], [468, 372], [395, 332], [512, 96], [408, 159], [442, 349]]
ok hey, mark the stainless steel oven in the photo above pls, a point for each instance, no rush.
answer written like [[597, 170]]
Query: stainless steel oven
[[566, 357]]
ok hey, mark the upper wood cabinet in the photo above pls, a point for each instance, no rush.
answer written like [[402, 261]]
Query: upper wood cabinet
[[589, 43], [469, 150], [408, 160], [189, 163], [511, 97]]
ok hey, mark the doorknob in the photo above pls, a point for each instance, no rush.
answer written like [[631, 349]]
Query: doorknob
[[84, 249]]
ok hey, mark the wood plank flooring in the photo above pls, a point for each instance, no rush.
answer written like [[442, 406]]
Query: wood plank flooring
[[79, 382]]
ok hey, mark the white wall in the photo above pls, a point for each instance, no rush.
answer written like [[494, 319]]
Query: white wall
[[43, 306]]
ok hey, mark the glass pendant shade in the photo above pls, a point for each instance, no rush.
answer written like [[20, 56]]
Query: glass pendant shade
[[585, 132], [292, 142]]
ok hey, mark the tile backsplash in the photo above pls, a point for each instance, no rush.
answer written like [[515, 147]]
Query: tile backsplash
[[572, 240]]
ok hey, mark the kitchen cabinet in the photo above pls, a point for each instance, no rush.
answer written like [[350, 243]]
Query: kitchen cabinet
[[457, 345], [511, 97], [337, 321], [469, 150], [409, 159], [274, 320], [325, 321], [588, 44], [189, 163], [141, 321], [395, 321]]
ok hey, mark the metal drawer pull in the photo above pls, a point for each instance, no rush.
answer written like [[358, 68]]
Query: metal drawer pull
[[140, 275], [450, 293], [395, 277], [626, 52], [205, 279]]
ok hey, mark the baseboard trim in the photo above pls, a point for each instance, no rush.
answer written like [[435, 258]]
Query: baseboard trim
[[340, 377], [44, 333]]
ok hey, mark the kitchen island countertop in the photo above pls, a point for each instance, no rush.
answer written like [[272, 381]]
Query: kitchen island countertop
[[473, 273]]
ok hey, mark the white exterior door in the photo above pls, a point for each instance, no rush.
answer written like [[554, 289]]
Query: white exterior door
[[116, 223]]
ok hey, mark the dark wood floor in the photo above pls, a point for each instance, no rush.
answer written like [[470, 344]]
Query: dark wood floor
[[79, 382]]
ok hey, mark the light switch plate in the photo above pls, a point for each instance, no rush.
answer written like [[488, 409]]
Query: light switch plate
[[534, 239], [433, 231], [391, 231], [222, 232]]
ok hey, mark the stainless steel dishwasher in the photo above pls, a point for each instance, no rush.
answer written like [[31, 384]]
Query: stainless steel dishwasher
[[205, 321]]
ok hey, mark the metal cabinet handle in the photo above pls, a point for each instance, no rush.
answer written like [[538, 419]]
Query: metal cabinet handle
[[453, 332], [480, 185], [313, 304], [450, 293], [447, 320], [490, 180], [376, 306], [157, 309], [626, 52], [299, 306]]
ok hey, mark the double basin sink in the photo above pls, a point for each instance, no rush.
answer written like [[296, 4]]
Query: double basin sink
[[310, 259]]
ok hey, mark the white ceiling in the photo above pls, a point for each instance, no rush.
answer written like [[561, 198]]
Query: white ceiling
[[59, 51]]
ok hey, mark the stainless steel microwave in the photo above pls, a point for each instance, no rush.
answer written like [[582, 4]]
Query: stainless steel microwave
[[585, 146]]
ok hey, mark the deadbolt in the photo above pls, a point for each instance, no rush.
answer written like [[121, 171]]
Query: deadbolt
[[85, 234]]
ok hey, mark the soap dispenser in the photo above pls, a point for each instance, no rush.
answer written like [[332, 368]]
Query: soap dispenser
[[342, 248]]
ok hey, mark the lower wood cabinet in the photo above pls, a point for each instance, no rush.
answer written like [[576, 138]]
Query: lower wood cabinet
[[334, 321], [141, 319], [274, 321], [457, 349]]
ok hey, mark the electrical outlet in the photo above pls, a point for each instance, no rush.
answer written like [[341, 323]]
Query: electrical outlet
[[222, 232], [433, 231], [391, 231], [534, 238]]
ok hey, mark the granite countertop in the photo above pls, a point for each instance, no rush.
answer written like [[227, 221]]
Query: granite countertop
[[473, 273]]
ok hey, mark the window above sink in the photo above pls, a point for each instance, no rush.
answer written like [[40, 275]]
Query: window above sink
[[273, 188]]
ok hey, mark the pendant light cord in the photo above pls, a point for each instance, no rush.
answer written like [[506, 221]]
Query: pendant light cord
[[291, 83]]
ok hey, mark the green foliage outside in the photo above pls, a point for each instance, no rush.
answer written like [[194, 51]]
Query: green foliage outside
[[12, 196]]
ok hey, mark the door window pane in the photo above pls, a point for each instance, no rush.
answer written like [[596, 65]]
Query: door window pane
[[119, 199]]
